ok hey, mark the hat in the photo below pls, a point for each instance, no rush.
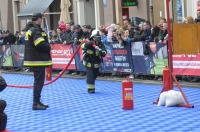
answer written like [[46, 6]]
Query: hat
[[87, 26], [128, 19], [77, 27], [62, 26], [37, 15], [95, 33]]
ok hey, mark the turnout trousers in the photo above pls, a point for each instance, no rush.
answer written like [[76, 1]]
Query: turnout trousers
[[39, 78], [92, 74]]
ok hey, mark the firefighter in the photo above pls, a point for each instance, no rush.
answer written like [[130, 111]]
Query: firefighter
[[37, 56], [93, 53]]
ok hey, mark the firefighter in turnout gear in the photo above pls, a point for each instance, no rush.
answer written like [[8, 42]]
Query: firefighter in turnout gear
[[93, 53], [37, 56]]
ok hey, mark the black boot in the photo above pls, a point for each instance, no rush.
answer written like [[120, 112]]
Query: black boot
[[91, 91], [47, 106], [38, 106]]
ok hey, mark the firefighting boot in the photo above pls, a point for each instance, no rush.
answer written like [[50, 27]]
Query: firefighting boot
[[37, 106], [47, 106], [91, 91]]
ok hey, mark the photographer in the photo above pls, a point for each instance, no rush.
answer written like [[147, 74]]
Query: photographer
[[3, 116]]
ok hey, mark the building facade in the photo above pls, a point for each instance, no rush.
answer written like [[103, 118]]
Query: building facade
[[98, 12]]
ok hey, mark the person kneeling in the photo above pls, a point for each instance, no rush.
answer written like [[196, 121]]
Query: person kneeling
[[3, 116]]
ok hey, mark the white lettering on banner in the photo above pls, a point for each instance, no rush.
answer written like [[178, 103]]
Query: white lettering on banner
[[108, 63], [61, 52], [189, 56], [117, 46], [128, 89], [122, 64], [137, 49], [62, 61], [187, 64], [120, 58]]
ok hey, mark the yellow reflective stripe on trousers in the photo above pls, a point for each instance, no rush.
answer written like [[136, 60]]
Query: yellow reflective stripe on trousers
[[90, 86], [37, 41], [90, 65], [96, 65], [37, 63]]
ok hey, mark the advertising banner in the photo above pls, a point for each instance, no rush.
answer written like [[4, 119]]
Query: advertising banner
[[138, 57], [151, 63], [7, 56], [186, 64], [107, 60], [61, 55], [17, 55], [121, 57]]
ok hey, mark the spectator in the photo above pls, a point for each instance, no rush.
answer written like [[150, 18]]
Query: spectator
[[67, 37], [62, 26], [9, 38], [198, 17], [20, 38], [1, 37], [59, 35], [137, 35], [110, 30], [189, 20], [53, 36], [77, 38], [163, 33], [160, 25], [104, 36], [131, 30], [154, 34], [126, 21]]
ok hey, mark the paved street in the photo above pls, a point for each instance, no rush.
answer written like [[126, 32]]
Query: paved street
[[73, 109]]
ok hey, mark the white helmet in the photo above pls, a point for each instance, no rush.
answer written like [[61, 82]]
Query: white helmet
[[95, 33]]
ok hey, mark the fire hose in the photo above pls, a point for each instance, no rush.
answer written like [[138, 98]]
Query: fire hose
[[59, 75]]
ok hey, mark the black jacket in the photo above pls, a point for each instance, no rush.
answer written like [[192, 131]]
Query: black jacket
[[37, 48], [92, 58], [10, 39], [3, 84]]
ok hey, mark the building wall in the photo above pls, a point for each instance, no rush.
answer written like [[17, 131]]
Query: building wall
[[7, 15], [158, 10], [192, 8], [141, 11], [109, 13], [90, 13]]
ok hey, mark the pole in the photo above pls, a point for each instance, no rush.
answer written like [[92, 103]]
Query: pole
[[170, 59]]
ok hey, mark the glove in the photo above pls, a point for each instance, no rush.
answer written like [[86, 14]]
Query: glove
[[102, 53], [97, 48]]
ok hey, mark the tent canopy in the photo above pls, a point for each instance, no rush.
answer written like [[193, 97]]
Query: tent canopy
[[34, 6]]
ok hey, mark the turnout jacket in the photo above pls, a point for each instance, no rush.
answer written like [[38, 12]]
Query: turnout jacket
[[37, 47], [93, 57]]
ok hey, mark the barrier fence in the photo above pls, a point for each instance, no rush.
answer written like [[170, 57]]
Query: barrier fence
[[120, 58]]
